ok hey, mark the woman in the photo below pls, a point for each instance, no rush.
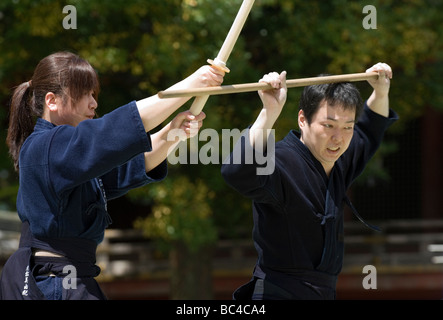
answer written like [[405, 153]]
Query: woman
[[71, 164]]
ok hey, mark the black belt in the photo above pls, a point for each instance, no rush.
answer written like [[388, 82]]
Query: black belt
[[77, 252]]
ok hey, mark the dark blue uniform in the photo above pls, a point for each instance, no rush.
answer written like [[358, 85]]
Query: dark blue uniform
[[298, 212], [67, 175]]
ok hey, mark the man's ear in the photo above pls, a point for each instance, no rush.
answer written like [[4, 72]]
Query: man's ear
[[51, 101], [302, 121]]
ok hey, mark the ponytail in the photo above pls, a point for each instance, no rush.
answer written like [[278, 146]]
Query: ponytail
[[21, 120], [62, 73]]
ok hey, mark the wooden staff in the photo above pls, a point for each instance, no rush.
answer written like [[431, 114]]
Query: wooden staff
[[249, 87], [225, 51]]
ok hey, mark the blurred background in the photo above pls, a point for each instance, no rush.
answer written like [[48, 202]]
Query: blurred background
[[189, 236]]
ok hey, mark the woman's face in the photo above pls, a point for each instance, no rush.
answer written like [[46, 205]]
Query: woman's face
[[73, 114]]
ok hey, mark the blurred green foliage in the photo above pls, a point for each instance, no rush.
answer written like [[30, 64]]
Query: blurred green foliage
[[140, 47]]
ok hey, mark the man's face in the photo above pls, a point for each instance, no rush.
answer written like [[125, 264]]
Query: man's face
[[329, 134]]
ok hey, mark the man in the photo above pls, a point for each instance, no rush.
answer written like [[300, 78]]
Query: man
[[298, 208]]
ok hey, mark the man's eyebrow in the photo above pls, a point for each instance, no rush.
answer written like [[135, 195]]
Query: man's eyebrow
[[333, 119]]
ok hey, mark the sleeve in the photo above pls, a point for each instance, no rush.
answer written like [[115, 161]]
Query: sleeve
[[95, 147], [250, 172], [368, 135], [132, 175]]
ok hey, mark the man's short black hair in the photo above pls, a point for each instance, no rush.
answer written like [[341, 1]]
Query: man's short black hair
[[343, 94]]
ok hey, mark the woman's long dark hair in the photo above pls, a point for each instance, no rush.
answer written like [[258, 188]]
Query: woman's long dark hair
[[64, 74]]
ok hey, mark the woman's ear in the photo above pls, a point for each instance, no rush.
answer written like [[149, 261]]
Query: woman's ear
[[51, 101]]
